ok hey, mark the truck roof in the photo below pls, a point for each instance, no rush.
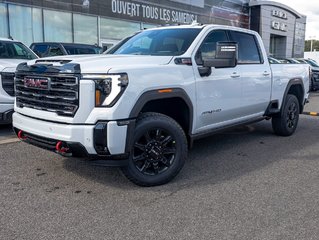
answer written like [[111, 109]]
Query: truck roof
[[201, 26], [8, 40], [67, 44]]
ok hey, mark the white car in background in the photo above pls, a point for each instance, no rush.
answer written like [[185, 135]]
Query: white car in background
[[12, 53]]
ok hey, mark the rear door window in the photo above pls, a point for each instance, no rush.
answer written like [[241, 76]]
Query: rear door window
[[248, 49]]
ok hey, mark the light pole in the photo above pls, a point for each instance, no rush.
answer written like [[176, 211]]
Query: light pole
[[311, 41]]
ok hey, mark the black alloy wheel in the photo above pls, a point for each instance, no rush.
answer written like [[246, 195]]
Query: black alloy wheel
[[154, 152], [291, 115]]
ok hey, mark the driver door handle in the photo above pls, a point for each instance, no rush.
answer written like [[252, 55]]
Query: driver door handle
[[266, 74], [235, 75]]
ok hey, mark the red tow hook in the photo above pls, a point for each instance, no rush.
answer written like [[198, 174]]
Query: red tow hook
[[60, 149], [21, 135]]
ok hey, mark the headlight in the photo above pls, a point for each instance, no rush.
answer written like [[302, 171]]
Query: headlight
[[108, 88]]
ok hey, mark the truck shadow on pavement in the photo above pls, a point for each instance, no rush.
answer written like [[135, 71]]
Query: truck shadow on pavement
[[221, 157]]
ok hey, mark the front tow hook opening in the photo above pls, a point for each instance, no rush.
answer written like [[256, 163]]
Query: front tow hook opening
[[63, 149], [21, 135]]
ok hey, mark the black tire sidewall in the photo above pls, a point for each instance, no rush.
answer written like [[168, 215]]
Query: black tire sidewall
[[146, 123], [280, 123]]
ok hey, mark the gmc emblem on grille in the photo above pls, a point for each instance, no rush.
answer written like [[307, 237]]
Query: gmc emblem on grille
[[36, 82]]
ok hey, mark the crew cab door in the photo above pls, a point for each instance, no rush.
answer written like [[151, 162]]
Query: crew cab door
[[218, 92], [255, 74]]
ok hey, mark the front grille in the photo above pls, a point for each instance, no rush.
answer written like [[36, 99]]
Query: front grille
[[59, 95], [7, 80]]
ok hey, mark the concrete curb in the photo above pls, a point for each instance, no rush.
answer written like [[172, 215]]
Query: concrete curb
[[311, 113], [10, 140]]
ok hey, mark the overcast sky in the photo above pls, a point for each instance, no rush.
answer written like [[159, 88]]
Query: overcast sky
[[311, 10]]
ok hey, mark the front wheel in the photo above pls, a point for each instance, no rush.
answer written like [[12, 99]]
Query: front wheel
[[286, 123], [158, 151]]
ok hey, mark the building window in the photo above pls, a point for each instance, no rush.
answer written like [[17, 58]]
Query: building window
[[85, 29], [37, 25], [117, 29], [20, 21], [3, 21], [25, 24], [57, 26]]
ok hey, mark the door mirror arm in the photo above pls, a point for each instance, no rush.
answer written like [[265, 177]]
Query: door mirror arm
[[204, 71]]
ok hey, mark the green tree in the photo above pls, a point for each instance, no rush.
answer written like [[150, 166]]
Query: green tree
[[315, 45]]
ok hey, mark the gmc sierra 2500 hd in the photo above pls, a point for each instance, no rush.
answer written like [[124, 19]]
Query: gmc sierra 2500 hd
[[143, 106]]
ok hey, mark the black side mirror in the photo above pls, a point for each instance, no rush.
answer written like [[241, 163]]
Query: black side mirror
[[226, 56]]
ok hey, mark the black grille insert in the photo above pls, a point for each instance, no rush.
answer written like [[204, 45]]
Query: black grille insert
[[60, 96], [7, 80]]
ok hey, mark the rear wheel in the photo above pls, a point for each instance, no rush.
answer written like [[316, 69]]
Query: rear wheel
[[286, 123], [158, 150]]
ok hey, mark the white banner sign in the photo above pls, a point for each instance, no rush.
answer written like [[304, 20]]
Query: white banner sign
[[151, 12]]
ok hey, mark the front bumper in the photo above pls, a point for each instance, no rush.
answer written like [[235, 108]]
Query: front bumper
[[104, 140]]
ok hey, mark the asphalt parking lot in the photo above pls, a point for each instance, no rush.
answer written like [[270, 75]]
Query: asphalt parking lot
[[243, 184]]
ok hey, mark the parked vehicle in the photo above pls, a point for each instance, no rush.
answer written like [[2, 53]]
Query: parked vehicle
[[314, 83], [143, 106], [289, 60], [273, 60], [11, 54], [47, 49]]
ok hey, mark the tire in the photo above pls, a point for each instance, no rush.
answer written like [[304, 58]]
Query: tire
[[286, 123], [158, 150], [312, 87]]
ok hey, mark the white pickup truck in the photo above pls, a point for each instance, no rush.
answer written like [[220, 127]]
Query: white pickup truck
[[12, 53], [143, 106]]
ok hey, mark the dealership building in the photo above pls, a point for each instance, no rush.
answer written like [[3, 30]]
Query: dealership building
[[105, 22]]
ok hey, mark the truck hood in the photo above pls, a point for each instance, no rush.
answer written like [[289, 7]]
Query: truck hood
[[103, 63], [10, 63]]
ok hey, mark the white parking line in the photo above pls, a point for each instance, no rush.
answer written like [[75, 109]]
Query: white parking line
[[10, 140]]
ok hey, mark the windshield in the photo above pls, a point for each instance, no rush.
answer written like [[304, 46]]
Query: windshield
[[73, 50], [114, 48], [15, 50], [160, 42]]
